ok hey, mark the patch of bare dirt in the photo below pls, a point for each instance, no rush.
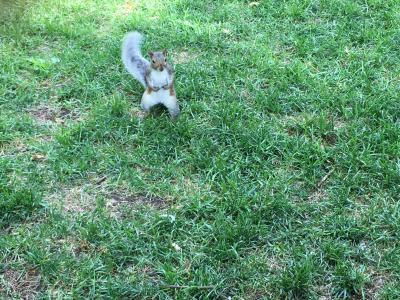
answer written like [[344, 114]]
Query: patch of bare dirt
[[330, 139], [183, 57], [45, 138], [21, 147], [23, 284], [192, 185], [64, 112], [126, 8], [78, 199], [144, 271], [117, 198], [324, 292], [317, 195], [73, 199], [338, 124], [14, 147], [374, 288], [245, 94], [44, 114], [257, 294], [82, 247], [45, 84], [83, 198], [138, 113], [52, 86]]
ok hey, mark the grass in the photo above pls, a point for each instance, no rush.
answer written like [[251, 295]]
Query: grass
[[280, 179]]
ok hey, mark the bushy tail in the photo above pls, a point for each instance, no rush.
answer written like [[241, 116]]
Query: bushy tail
[[132, 58]]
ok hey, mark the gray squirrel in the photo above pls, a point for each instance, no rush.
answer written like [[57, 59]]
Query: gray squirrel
[[156, 76]]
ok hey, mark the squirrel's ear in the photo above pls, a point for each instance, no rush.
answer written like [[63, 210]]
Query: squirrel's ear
[[165, 52], [151, 53]]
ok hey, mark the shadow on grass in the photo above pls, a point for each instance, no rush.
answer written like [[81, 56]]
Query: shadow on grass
[[12, 10], [18, 201], [16, 205]]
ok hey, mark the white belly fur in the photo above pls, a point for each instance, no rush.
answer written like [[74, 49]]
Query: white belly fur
[[157, 97], [159, 79], [160, 97]]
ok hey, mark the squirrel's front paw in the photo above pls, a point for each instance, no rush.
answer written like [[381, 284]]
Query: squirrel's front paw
[[165, 87], [156, 89]]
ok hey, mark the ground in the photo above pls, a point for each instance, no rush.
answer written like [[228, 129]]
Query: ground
[[280, 179]]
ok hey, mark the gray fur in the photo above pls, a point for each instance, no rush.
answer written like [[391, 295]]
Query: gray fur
[[174, 110], [151, 75], [132, 58]]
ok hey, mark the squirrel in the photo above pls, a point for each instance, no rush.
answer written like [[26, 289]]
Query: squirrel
[[157, 76]]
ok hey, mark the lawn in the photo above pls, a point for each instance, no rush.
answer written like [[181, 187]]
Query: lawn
[[279, 180]]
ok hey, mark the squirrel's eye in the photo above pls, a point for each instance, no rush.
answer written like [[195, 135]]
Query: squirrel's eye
[[154, 61]]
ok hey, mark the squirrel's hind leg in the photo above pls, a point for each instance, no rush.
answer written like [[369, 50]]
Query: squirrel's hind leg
[[172, 104], [149, 99], [166, 97]]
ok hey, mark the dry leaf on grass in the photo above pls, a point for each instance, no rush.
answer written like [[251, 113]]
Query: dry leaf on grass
[[251, 4], [176, 247], [38, 156]]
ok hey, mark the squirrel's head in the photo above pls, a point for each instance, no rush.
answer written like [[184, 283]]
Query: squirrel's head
[[158, 59]]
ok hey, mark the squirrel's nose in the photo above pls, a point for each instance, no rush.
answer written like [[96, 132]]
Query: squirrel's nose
[[161, 68]]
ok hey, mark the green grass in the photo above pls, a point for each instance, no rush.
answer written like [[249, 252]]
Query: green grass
[[280, 179]]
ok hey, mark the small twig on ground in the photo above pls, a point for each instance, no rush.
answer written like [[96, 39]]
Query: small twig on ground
[[101, 180], [316, 192], [323, 179], [188, 286]]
